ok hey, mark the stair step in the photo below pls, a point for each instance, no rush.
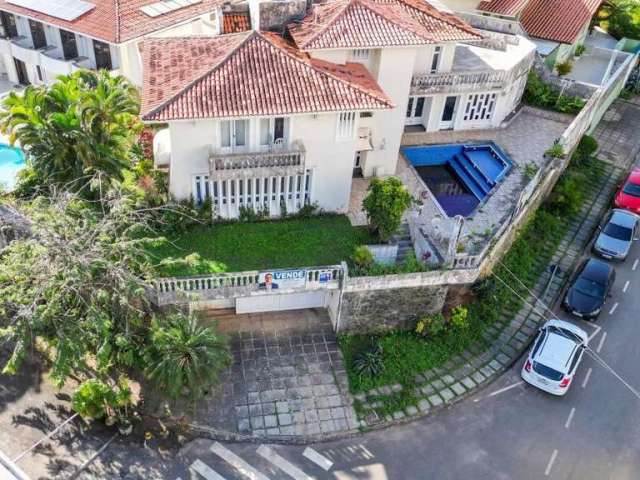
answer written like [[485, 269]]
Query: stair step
[[474, 172], [468, 180]]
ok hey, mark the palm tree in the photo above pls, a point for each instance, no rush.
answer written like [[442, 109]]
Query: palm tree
[[184, 357], [82, 126]]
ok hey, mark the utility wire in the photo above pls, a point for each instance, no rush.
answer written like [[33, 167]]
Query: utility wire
[[604, 365], [544, 305]]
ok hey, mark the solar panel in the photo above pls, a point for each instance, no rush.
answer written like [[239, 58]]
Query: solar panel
[[67, 10], [166, 6]]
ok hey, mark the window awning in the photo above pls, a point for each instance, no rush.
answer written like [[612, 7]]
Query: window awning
[[364, 139]]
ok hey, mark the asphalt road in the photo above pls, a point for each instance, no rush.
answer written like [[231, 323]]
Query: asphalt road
[[508, 431]]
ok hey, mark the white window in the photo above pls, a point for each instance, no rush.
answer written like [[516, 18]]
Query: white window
[[360, 55], [435, 60], [201, 188], [346, 126], [480, 106], [234, 134]]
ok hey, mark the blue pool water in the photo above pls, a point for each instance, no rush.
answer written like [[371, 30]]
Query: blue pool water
[[460, 176], [11, 162]]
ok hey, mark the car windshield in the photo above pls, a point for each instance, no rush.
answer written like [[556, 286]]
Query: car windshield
[[632, 189], [589, 288], [547, 372], [618, 232]]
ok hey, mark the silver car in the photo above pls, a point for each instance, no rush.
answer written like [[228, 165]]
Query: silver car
[[617, 235]]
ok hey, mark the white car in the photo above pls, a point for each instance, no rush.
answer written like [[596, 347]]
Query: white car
[[555, 356]]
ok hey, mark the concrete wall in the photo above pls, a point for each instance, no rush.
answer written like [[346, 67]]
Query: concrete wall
[[394, 308]]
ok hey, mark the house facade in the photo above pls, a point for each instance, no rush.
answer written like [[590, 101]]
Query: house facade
[[274, 121], [40, 40]]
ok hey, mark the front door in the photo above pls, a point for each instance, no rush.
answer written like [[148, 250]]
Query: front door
[[357, 164], [415, 111], [21, 70], [448, 113]]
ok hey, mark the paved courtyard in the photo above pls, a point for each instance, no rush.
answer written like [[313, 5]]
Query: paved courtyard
[[287, 377], [617, 133]]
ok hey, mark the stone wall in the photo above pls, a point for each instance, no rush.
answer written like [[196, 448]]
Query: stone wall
[[274, 15], [379, 310]]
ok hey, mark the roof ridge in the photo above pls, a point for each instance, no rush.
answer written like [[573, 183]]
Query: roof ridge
[[337, 13], [208, 71], [309, 64]]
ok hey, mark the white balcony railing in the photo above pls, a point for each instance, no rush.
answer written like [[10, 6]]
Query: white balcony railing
[[22, 49], [279, 158], [455, 82]]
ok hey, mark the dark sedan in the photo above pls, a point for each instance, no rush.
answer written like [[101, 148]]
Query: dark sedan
[[590, 288]]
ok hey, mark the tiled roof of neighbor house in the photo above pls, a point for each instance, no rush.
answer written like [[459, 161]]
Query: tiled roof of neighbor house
[[236, 22], [249, 73], [116, 21], [508, 8], [378, 23], [556, 20]]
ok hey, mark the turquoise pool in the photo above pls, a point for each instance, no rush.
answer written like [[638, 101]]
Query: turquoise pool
[[11, 162]]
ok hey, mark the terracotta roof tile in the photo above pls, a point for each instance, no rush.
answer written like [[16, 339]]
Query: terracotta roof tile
[[249, 73], [556, 20], [507, 8], [236, 22], [378, 23], [116, 21]]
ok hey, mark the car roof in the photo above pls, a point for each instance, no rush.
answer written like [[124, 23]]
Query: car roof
[[556, 352], [623, 218], [596, 270]]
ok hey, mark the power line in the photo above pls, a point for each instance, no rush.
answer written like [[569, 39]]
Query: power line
[[604, 365]]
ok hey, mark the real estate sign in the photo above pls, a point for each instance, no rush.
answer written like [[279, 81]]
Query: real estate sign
[[282, 279]]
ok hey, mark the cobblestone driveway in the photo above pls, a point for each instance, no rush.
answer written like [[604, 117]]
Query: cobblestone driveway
[[287, 377]]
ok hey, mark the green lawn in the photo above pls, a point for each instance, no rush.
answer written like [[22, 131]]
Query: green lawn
[[323, 240]]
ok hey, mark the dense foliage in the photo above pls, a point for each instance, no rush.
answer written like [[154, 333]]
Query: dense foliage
[[621, 18], [76, 286], [539, 94], [385, 204], [80, 129]]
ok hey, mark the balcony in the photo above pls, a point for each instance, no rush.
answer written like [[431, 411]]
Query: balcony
[[52, 60], [458, 82], [22, 49], [5, 46], [277, 160]]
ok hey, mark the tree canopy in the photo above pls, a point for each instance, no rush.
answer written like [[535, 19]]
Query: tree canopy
[[80, 128]]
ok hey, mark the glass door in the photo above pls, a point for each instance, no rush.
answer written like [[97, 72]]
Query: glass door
[[21, 70], [448, 113], [234, 135], [415, 110]]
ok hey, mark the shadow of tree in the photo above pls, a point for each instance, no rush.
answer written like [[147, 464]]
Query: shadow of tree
[[14, 387]]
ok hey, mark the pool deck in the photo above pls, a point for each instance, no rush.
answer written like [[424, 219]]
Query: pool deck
[[525, 139]]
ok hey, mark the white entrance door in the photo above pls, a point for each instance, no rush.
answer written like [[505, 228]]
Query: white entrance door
[[415, 111], [449, 113], [234, 135]]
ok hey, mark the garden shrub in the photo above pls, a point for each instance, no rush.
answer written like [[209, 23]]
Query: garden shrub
[[431, 325], [539, 94], [369, 363], [556, 150], [585, 150], [460, 318], [385, 204], [566, 197], [94, 399], [362, 257], [564, 68]]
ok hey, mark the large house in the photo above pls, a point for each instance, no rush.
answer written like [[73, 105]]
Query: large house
[[556, 26], [41, 39], [271, 121]]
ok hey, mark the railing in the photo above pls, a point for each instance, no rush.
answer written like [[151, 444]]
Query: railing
[[276, 157], [238, 284], [459, 81]]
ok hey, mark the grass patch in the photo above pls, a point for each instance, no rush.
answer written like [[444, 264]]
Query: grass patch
[[406, 354], [321, 240]]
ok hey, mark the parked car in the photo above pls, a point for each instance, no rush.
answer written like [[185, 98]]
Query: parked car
[[555, 356], [617, 235], [590, 289], [628, 196]]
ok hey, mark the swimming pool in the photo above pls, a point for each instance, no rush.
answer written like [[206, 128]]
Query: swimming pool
[[11, 162], [461, 176]]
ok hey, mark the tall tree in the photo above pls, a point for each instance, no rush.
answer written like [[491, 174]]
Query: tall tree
[[80, 128]]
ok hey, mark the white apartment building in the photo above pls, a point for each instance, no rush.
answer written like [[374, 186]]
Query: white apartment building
[[41, 39], [268, 121]]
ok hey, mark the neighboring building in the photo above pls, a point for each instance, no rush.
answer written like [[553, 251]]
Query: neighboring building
[[261, 120], [41, 39], [556, 26]]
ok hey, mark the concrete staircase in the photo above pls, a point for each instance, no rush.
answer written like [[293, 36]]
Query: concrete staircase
[[402, 238]]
